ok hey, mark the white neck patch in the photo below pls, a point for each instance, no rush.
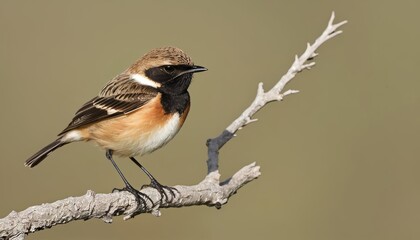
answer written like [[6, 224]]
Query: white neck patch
[[144, 80]]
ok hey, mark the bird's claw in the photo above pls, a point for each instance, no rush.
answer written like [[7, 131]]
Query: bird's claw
[[140, 197], [162, 190]]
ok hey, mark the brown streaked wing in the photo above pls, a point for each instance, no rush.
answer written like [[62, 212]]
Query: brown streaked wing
[[120, 96]]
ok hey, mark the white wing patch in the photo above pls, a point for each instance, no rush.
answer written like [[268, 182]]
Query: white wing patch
[[108, 109], [144, 80]]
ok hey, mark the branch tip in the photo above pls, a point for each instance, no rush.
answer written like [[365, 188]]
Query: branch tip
[[340, 24], [335, 33], [331, 18], [260, 89], [250, 120], [290, 91]]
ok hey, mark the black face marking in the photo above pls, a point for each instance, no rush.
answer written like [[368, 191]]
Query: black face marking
[[166, 73], [175, 103], [169, 69], [175, 80], [178, 86]]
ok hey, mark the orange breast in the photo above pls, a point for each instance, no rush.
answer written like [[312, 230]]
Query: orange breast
[[137, 133]]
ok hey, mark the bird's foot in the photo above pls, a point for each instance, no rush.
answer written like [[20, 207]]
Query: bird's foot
[[162, 190], [141, 198]]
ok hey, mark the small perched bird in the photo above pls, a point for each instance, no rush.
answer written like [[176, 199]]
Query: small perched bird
[[136, 113]]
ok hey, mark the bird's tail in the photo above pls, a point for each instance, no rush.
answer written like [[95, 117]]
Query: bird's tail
[[43, 153]]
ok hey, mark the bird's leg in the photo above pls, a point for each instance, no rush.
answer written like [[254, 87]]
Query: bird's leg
[[155, 184], [140, 197]]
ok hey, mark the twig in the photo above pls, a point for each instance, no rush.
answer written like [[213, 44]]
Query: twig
[[210, 191], [274, 94]]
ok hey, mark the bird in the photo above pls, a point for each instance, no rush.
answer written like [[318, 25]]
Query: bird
[[136, 113]]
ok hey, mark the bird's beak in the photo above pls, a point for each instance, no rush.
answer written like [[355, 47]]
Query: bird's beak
[[197, 69], [193, 69]]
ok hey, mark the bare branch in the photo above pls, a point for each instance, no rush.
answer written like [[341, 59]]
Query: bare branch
[[211, 191], [274, 94]]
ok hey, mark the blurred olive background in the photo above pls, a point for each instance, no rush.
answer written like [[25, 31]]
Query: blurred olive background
[[339, 160]]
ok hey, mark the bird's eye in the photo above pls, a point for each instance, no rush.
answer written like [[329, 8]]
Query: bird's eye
[[169, 68]]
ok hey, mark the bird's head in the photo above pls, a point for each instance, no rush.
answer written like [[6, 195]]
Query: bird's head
[[168, 69]]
